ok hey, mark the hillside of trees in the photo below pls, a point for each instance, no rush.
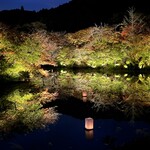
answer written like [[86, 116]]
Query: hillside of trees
[[117, 38], [76, 15]]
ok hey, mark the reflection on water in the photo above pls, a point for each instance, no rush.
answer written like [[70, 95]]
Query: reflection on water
[[20, 110], [69, 133], [52, 115], [89, 134], [125, 93]]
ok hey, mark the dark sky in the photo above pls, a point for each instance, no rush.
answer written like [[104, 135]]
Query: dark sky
[[30, 4]]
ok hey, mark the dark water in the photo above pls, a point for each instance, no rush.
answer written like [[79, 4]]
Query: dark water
[[119, 106], [69, 133]]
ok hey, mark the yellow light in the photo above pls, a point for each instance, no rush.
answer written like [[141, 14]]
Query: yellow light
[[89, 123]]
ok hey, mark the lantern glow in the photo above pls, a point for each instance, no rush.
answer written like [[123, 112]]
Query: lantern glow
[[89, 123], [84, 94]]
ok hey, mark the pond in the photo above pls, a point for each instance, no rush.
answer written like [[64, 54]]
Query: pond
[[119, 105]]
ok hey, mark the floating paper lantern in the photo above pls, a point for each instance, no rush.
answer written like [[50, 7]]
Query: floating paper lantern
[[89, 123], [84, 94]]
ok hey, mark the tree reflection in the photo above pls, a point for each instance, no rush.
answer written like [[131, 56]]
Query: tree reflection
[[125, 93], [21, 111], [135, 98], [23, 107]]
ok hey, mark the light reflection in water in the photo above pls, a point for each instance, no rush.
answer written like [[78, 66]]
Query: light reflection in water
[[127, 93], [112, 100], [89, 134], [84, 99]]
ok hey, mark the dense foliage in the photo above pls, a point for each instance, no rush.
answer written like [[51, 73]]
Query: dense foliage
[[23, 49]]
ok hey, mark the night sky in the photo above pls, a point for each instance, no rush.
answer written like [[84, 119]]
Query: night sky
[[30, 4]]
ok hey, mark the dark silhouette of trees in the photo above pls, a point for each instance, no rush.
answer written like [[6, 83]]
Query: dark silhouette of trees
[[76, 15], [22, 8]]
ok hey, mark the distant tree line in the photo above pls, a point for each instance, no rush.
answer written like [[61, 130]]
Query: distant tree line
[[76, 14]]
